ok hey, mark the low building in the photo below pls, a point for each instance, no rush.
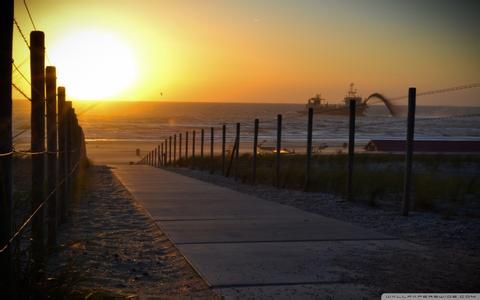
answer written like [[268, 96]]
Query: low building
[[425, 146]]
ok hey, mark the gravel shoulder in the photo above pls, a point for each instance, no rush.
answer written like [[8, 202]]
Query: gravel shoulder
[[110, 247], [450, 262]]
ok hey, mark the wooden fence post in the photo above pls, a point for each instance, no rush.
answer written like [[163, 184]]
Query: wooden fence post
[[202, 142], [159, 156], [175, 149], [37, 71], [193, 148], [407, 188], [255, 150], [165, 153], [212, 137], [224, 140], [170, 150], [306, 184], [180, 146], [351, 149], [62, 165], [237, 151], [186, 147], [68, 152], [279, 149], [51, 100], [7, 275]]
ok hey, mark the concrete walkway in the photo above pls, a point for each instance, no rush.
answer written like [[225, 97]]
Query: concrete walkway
[[245, 247]]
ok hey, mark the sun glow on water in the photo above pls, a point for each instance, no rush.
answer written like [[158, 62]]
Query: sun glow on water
[[94, 64]]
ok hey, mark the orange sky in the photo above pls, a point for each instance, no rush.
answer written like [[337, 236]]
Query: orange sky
[[256, 51]]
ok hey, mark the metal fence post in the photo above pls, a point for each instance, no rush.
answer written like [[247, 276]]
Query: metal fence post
[[407, 188]]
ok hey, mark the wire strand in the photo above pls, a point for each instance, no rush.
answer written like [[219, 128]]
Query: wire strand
[[21, 92], [29, 15], [21, 33]]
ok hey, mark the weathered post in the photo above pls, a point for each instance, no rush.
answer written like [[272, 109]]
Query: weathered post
[[202, 142], [68, 151], [237, 151], [155, 157], [166, 152], [224, 140], [62, 164], [212, 166], [161, 155], [193, 148], [51, 99], [37, 71], [255, 150], [186, 147], [180, 146], [174, 149], [170, 150], [6, 145], [351, 149], [308, 162], [407, 187], [278, 150]]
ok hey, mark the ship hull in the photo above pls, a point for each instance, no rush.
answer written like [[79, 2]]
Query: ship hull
[[334, 110]]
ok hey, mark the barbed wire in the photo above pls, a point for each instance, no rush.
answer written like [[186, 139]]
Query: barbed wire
[[21, 92], [39, 207], [21, 74], [21, 33], [29, 15]]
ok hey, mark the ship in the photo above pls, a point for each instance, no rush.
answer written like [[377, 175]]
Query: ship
[[322, 107]]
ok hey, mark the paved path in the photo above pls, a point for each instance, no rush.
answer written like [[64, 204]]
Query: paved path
[[244, 246]]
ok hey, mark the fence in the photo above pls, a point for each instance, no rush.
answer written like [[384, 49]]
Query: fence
[[278, 162], [56, 156]]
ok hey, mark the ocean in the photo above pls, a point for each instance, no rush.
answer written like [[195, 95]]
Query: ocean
[[155, 121]]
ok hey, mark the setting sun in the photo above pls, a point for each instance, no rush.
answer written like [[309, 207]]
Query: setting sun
[[94, 64]]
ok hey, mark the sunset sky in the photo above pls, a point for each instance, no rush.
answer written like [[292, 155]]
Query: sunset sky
[[256, 51]]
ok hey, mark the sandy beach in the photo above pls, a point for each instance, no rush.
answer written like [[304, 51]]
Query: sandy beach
[[110, 247]]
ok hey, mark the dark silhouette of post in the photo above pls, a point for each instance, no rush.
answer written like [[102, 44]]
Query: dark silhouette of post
[[174, 149], [180, 146], [351, 149], [224, 140], [237, 151], [306, 184], [278, 150], [51, 99], [62, 160], [170, 150], [202, 142], [186, 146], [159, 156], [407, 187], [193, 148], [162, 156], [212, 137], [37, 71], [68, 152], [166, 152], [6, 146], [255, 150], [155, 157]]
